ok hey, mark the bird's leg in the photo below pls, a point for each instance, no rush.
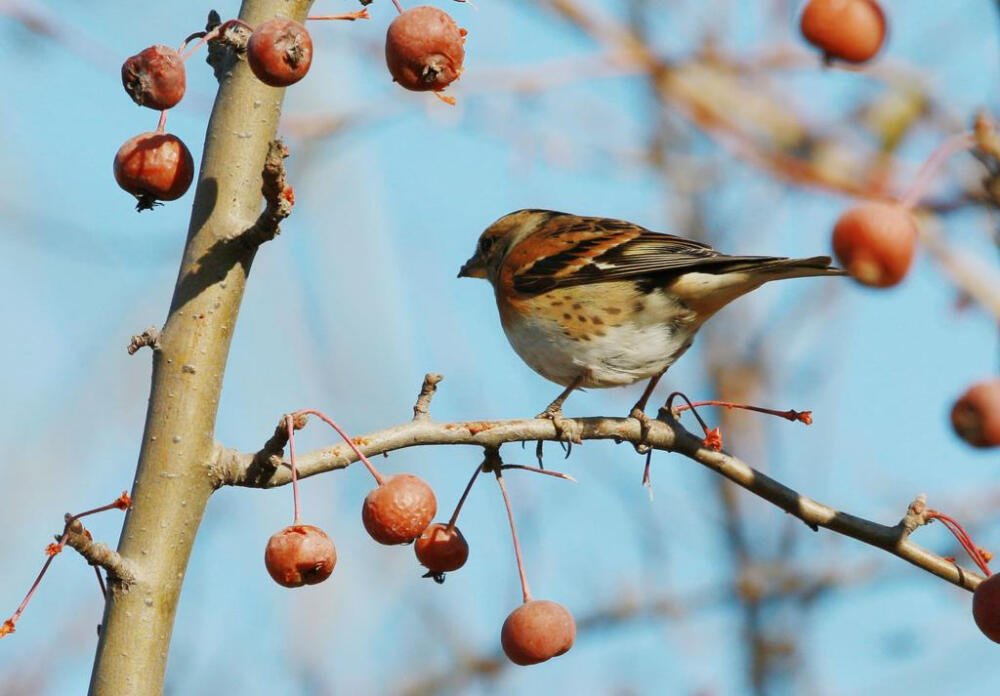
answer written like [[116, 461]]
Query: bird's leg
[[567, 430], [639, 412]]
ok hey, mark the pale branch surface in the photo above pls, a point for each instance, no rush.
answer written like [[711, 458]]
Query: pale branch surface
[[233, 468], [120, 571]]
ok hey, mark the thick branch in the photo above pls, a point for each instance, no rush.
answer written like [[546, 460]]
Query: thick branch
[[120, 571], [235, 468]]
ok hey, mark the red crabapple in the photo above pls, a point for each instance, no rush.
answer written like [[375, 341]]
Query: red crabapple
[[300, 555], [424, 49], [399, 509], [154, 167], [280, 52], [441, 550], [155, 77], [536, 631], [875, 242], [851, 30], [976, 415]]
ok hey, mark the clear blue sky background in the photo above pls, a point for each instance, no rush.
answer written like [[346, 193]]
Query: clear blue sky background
[[358, 298]]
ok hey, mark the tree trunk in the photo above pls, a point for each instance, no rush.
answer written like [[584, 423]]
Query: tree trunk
[[172, 485]]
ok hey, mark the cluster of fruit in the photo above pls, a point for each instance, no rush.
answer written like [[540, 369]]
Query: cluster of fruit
[[875, 241], [401, 510], [424, 50]]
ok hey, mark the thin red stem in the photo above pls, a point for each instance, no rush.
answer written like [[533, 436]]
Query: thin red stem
[[525, 590], [347, 16], [399, 7], [670, 401], [118, 503], [921, 182], [290, 427], [208, 36], [963, 538], [461, 501], [790, 414], [161, 125], [379, 478]]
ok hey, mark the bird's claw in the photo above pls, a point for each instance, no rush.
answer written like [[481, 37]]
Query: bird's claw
[[568, 431], [645, 425]]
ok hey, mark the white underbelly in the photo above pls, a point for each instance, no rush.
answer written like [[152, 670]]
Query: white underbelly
[[633, 351]]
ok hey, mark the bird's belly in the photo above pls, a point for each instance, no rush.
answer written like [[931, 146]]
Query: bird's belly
[[615, 356]]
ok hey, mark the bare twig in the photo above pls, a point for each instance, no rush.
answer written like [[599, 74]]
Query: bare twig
[[120, 572], [421, 409], [149, 337], [234, 468], [278, 197]]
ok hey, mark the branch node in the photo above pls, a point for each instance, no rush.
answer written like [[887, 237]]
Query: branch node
[[150, 337], [278, 197], [916, 515], [120, 572], [421, 409]]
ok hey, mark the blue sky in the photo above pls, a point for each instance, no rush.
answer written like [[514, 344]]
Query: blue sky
[[357, 299]]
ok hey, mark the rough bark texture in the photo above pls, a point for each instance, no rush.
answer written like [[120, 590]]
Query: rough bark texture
[[171, 485]]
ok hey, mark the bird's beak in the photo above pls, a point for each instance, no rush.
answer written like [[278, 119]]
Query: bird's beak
[[473, 268]]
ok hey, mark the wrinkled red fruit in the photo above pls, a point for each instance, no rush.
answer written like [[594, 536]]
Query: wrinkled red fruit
[[280, 52], [155, 77], [851, 30], [300, 555], [976, 415], [441, 550], [154, 167], [537, 631], [986, 607], [424, 49], [875, 243], [398, 510]]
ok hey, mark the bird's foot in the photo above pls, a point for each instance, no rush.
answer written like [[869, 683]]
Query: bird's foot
[[568, 431], [645, 425]]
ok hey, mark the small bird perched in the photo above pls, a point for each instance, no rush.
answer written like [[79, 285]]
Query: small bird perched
[[594, 302]]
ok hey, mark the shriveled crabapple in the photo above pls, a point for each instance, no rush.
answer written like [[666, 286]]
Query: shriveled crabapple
[[851, 30], [280, 52], [537, 631], [399, 509], [976, 415], [300, 555], [424, 49], [154, 167], [986, 607], [155, 77], [441, 549], [875, 242]]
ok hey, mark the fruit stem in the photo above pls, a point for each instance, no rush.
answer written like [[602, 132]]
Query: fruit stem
[[399, 7], [290, 427], [208, 36], [790, 414], [921, 182], [525, 590], [963, 538], [161, 125], [461, 501], [122, 502], [348, 16], [100, 582], [379, 478]]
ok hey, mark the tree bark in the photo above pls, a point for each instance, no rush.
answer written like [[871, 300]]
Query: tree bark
[[172, 486]]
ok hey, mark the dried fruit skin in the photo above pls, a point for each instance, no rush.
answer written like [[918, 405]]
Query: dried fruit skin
[[155, 77], [976, 415], [875, 243], [397, 511], [424, 49], [986, 607], [537, 631], [280, 52], [300, 555], [441, 551], [851, 30], [154, 167]]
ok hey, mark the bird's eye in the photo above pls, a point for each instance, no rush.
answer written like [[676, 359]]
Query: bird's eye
[[485, 244]]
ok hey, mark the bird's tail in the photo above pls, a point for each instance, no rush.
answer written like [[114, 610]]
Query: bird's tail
[[788, 268]]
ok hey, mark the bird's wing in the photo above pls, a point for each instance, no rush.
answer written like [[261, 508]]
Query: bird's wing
[[594, 250]]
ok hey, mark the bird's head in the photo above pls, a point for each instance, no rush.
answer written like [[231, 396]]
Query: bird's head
[[499, 238]]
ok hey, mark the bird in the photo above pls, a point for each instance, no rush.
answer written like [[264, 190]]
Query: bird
[[592, 302]]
